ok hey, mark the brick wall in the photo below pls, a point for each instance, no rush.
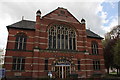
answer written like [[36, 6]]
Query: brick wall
[[37, 44]]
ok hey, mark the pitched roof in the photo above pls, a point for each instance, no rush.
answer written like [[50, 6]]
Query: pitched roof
[[25, 24], [92, 34], [61, 14]]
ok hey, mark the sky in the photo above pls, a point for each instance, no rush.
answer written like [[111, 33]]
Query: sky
[[100, 15], [119, 13]]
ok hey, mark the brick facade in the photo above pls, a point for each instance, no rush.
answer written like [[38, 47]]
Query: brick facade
[[37, 49]]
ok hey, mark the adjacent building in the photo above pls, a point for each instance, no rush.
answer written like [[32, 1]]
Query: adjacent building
[[2, 55]]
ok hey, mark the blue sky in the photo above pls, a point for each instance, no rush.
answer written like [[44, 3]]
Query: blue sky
[[111, 9], [109, 14], [119, 13]]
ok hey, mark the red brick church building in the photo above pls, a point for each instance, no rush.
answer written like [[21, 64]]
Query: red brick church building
[[56, 43]]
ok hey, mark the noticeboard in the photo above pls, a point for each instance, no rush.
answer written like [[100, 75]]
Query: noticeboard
[[2, 72]]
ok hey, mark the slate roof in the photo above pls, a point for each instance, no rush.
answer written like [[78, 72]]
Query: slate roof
[[92, 34], [26, 24], [23, 24]]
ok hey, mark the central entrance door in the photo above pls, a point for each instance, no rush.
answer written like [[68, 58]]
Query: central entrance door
[[62, 71]]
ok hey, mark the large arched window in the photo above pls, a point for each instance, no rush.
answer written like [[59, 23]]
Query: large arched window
[[62, 37], [20, 41], [94, 46]]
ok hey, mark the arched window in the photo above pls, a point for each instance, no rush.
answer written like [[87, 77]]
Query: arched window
[[20, 41], [94, 46], [62, 37]]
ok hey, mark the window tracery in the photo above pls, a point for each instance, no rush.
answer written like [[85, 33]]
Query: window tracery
[[62, 37]]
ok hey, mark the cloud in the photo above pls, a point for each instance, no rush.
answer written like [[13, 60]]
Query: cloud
[[12, 11], [59, 1], [113, 23], [52, 1], [104, 16]]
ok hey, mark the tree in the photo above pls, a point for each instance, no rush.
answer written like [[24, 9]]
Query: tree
[[114, 33], [117, 56], [108, 53], [109, 44]]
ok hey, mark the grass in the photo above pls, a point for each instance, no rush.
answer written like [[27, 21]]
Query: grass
[[114, 73], [112, 76]]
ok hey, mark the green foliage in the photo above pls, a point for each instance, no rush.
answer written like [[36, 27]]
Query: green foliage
[[117, 54], [108, 52], [112, 48]]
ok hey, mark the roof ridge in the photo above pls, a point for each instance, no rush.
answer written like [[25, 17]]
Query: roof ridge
[[28, 20]]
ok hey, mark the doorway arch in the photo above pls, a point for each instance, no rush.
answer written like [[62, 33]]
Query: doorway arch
[[62, 68]]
